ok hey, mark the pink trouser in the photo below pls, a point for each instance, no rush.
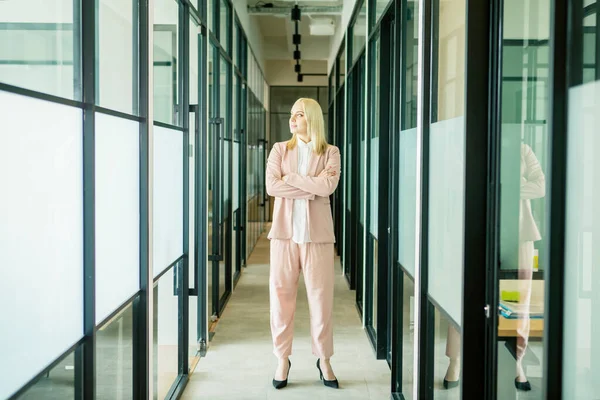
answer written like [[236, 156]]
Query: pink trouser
[[525, 276], [315, 260]]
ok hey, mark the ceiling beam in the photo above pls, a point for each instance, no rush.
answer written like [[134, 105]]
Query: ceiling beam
[[337, 10]]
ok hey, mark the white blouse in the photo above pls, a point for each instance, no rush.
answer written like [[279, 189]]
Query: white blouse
[[300, 213]]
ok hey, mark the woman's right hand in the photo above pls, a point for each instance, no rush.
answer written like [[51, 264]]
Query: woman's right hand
[[326, 173]]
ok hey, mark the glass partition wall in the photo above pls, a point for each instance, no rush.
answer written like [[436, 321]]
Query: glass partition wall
[[405, 184], [580, 320], [378, 185], [449, 245], [431, 215], [355, 155], [58, 62], [523, 166]]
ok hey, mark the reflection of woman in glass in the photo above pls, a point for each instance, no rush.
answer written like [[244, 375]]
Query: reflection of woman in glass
[[301, 174], [533, 186]]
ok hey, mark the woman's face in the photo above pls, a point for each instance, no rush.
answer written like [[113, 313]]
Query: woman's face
[[298, 124]]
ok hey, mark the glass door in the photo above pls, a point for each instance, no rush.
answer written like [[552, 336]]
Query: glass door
[[226, 143], [359, 165], [406, 184], [522, 154], [378, 226], [236, 182], [446, 199], [581, 307], [374, 137], [339, 194], [349, 260], [198, 204], [220, 175]]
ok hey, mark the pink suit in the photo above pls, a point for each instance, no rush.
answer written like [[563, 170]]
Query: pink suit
[[315, 259]]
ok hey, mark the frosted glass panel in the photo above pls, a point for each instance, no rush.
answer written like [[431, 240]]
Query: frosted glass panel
[[582, 257], [227, 166], [446, 211], [41, 236], [374, 185], [168, 198], [349, 181], [236, 175], [362, 166], [117, 212], [407, 200]]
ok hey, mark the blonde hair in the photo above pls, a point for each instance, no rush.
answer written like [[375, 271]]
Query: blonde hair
[[315, 126]]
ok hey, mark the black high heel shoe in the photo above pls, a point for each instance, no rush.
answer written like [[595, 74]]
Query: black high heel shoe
[[281, 384], [525, 386], [450, 384], [331, 384]]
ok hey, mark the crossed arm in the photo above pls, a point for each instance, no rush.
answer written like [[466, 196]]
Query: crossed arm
[[533, 183], [324, 184], [276, 187]]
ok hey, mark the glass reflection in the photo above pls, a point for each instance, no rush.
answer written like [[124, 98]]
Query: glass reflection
[[408, 337], [37, 49], [56, 383], [224, 25], [114, 357], [166, 339], [166, 74], [359, 32], [380, 6], [522, 205], [342, 65]]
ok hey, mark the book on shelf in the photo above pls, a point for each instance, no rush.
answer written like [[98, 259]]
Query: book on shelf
[[513, 310]]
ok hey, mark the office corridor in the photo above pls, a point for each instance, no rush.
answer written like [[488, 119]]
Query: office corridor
[[240, 363]]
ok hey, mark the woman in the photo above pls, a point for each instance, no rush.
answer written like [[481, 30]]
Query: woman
[[301, 174]]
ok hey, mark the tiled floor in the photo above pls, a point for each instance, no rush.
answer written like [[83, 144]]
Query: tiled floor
[[240, 363]]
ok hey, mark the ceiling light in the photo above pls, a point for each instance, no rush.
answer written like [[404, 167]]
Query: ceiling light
[[322, 27], [296, 13]]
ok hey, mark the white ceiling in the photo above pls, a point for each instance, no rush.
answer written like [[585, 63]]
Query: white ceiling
[[277, 29]]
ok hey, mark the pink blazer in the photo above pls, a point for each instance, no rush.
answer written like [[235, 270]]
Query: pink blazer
[[316, 190]]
